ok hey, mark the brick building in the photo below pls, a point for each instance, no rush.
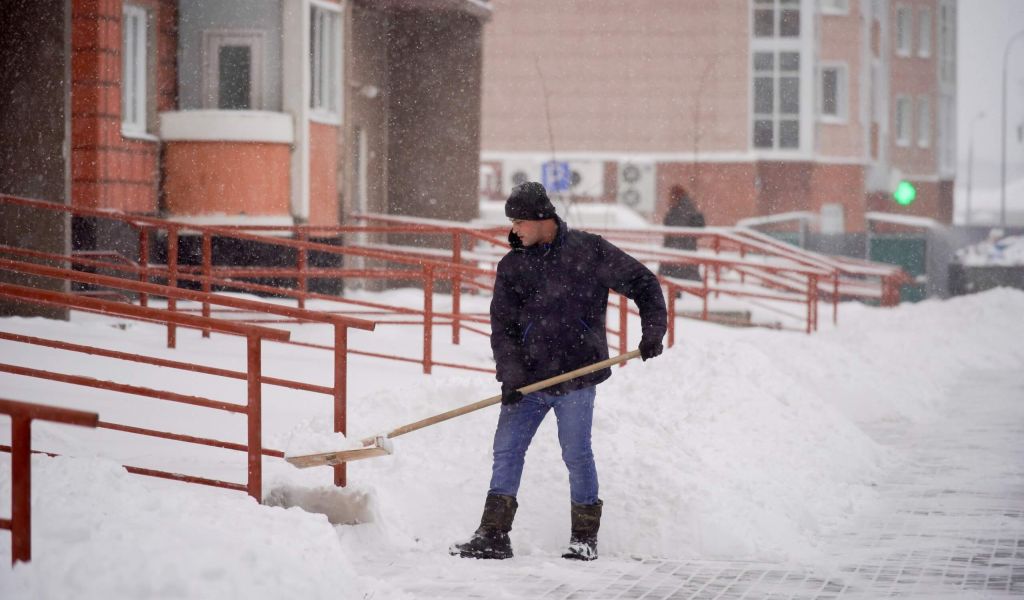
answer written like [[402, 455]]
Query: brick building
[[759, 107], [246, 111]]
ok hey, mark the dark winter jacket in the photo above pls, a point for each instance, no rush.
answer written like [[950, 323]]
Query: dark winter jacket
[[683, 213], [549, 306]]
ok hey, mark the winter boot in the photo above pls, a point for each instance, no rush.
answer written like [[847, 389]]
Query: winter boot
[[586, 520], [491, 538]]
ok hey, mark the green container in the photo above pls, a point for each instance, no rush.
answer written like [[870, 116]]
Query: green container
[[907, 251]]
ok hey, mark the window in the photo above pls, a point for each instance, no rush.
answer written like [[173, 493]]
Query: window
[[134, 59], [776, 18], [233, 65], [924, 122], [325, 61], [947, 44], [903, 120], [904, 30], [947, 133], [777, 100], [835, 7], [924, 36], [833, 94]]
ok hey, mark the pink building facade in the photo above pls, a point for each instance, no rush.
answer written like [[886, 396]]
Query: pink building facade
[[758, 107]]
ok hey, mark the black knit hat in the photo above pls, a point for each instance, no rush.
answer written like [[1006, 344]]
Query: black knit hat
[[529, 202]]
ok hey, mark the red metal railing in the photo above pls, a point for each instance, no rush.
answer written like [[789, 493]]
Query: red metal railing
[[714, 264], [804, 279], [832, 277], [252, 409], [792, 277], [339, 324], [22, 414], [426, 272]]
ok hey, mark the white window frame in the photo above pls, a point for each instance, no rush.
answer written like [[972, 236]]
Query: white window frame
[[924, 33], [213, 40], [903, 120], [777, 116], [904, 30], [947, 134], [946, 39], [924, 122], [134, 71], [777, 6], [325, 62], [834, 7], [842, 92]]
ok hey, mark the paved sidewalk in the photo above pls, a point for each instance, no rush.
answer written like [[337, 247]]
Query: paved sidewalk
[[950, 525]]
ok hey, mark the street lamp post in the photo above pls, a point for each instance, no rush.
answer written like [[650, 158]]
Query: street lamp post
[[1002, 195], [970, 163]]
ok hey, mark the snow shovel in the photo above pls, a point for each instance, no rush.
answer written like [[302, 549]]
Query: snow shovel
[[380, 445]]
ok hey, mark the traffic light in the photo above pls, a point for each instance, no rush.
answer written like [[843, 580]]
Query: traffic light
[[905, 193]]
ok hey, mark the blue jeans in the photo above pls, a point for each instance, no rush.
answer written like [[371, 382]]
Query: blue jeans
[[518, 423]]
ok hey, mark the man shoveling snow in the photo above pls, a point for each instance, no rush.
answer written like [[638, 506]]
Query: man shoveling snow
[[547, 318]]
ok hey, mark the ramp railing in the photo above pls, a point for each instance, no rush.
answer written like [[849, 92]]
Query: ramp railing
[[425, 272], [252, 409], [339, 324], [22, 414]]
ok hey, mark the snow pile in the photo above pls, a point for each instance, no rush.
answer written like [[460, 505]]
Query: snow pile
[[997, 250], [738, 444], [101, 533]]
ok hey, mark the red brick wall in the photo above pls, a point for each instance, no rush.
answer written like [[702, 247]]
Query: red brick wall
[[233, 178], [108, 170], [724, 192], [323, 174], [839, 184]]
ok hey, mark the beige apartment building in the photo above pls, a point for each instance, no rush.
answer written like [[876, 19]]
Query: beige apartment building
[[758, 107]]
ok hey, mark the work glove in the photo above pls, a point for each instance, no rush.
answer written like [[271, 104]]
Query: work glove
[[510, 395], [650, 347]]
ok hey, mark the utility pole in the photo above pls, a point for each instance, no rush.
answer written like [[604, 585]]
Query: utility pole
[[970, 164], [1002, 195]]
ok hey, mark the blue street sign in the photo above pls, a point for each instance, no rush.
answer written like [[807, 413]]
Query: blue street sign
[[556, 176]]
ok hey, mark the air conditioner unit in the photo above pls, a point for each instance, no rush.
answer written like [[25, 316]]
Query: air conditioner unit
[[587, 178], [516, 171], [636, 186]]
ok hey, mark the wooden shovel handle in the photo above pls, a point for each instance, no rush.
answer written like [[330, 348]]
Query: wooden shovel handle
[[533, 387]]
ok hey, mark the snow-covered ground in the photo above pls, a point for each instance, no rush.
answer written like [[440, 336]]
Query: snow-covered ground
[[735, 444]]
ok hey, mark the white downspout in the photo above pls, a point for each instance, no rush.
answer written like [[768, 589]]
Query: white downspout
[[295, 97]]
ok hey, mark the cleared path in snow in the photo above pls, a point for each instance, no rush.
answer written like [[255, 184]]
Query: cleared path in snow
[[950, 524]]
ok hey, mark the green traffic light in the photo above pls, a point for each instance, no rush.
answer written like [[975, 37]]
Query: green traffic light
[[905, 193]]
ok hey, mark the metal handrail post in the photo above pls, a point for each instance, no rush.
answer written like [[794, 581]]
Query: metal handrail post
[[340, 393], [254, 414], [704, 280], [207, 273], [428, 317], [172, 281], [143, 262], [21, 479], [302, 263], [835, 297], [22, 414], [456, 285]]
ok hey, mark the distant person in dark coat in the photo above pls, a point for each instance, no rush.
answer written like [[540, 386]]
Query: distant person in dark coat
[[548, 318], [682, 212]]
